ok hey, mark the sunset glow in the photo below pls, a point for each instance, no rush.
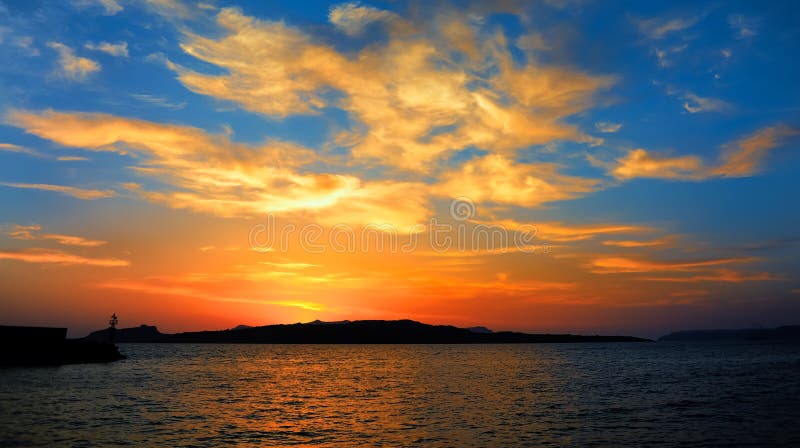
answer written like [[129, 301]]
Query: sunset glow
[[556, 166]]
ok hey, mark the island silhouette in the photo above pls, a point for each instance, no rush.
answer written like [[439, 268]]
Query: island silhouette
[[349, 332], [31, 346]]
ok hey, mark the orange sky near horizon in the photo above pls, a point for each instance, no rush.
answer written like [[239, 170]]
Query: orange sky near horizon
[[540, 166]]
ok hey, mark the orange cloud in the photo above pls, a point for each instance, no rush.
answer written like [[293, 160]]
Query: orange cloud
[[497, 179], [615, 265], [413, 99], [646, 243], [555, 231], [739, 159], [31, 233], [641, 163], [212, 174], [186, 291], [743, 157], [352, 18], [58, 257]]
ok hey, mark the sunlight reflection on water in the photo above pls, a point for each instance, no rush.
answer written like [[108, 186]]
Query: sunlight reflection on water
[[400, 395]]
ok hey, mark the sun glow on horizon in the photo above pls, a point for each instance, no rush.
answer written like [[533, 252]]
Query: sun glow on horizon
[[514, 166]]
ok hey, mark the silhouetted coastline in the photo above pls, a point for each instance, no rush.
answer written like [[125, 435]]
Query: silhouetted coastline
[[45, 346], [785, 333], [355, 332]]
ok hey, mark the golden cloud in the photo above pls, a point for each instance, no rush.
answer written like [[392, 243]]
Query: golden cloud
[[59, 257], [497, 179], [32, 233], [413, 99], [741, 158], [644, 243], [180, 289], [556, 231], [616, 265], [212, 174]]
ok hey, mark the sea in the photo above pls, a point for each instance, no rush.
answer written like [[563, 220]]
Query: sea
[[664, 394]]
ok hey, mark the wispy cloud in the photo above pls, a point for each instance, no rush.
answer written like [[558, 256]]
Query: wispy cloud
[[180, 289], [695, 103], [744, 157], [642, 163], [10, 147], [119, 49], [664, 54], [25, 43], [289, 265], [658, 27], [210, 173], [720, 276], [159, 101], [32, 232], [110, 7], [73, 67], [740, 158], [744, 27], [59, 257], [80, 193], [639, 243], [617, 265], [608, 126], [353, 17], [563, 232]]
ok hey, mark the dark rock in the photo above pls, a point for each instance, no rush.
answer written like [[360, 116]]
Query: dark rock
[[42, 346]]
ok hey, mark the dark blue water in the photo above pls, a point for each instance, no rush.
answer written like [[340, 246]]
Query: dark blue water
[[659, 394]]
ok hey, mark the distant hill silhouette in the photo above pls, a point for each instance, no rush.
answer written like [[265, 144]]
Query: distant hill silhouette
[[355, 332], [790, 332]]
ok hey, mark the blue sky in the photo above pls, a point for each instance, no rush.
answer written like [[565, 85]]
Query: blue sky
[[678, 121]]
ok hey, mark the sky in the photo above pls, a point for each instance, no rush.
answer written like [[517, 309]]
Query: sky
[[552, 166]]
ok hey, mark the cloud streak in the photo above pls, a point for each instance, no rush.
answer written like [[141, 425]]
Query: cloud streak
[[119, 49], [32, 233], [80, 193], [741, 158], [59, 257], [619, 265], [659, 28]]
